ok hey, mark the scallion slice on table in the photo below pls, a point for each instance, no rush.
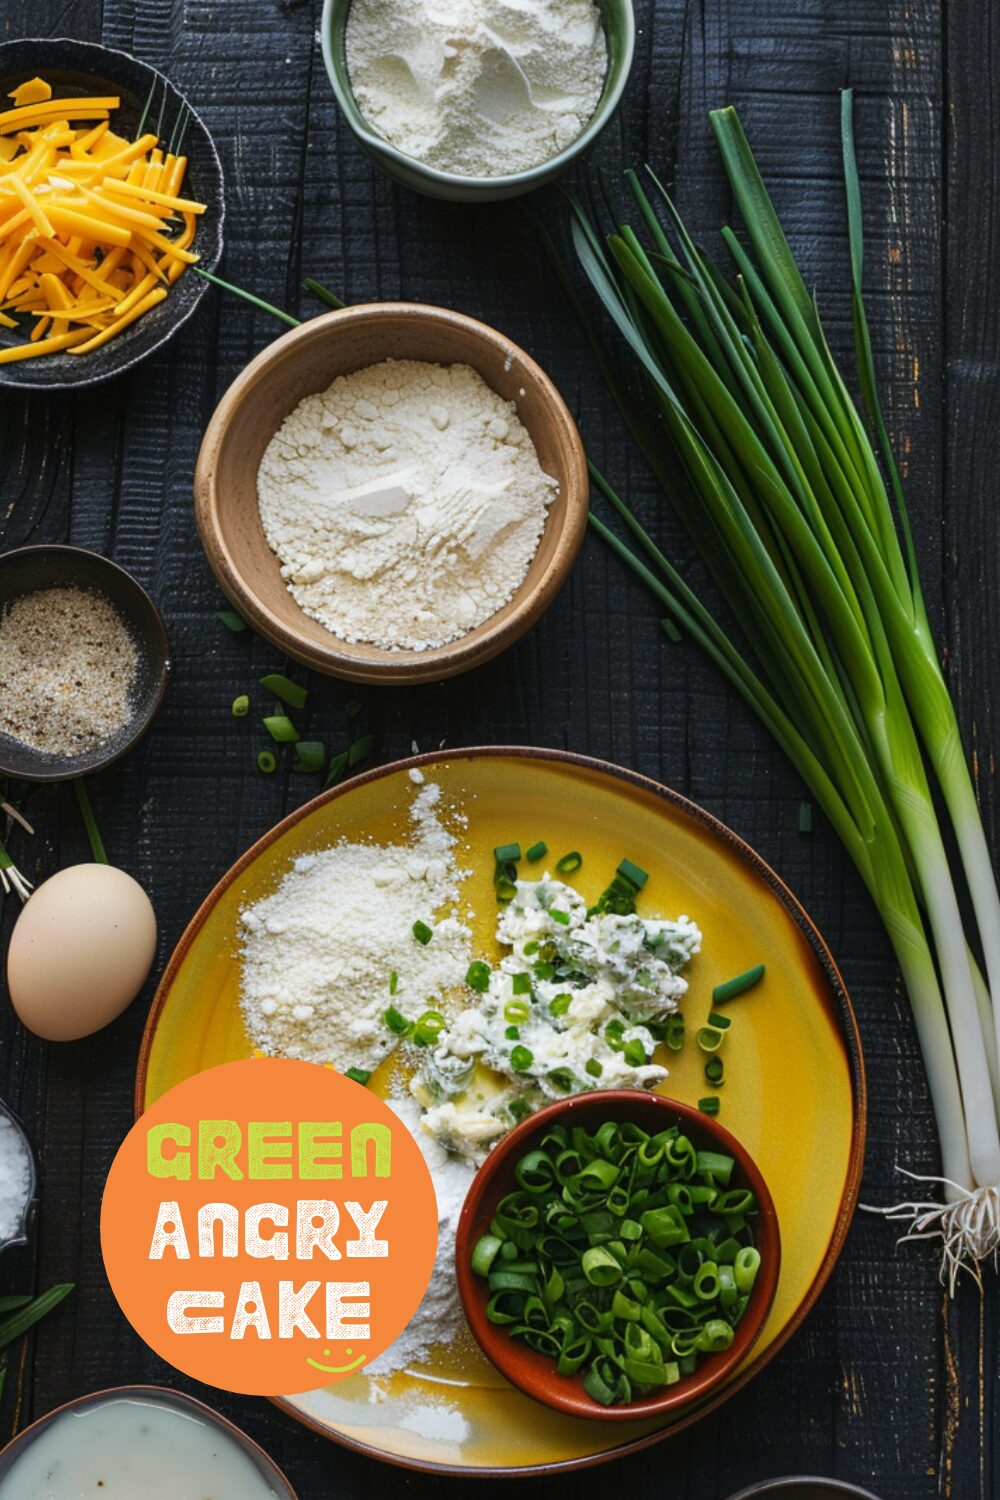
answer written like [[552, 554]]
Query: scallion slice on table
[[281, 729], [282, 687], [310, 757], [750, 429]]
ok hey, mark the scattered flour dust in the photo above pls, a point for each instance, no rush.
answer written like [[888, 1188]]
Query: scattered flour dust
[[318, 954], [404, 504], [479, 88], [439, 1319]]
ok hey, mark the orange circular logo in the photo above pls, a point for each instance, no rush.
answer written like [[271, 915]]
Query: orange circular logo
[[269, 1227]]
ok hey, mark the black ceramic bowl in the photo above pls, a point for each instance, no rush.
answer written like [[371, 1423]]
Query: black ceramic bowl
[[28, 569], [84, 68]]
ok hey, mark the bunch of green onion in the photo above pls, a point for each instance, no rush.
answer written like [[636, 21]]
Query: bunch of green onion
[[750, 429]]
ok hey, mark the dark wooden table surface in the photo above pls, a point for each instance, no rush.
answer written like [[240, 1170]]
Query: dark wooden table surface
[[885, 1385]]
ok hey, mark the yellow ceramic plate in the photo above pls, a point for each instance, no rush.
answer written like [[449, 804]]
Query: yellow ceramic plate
[[794, 1091]]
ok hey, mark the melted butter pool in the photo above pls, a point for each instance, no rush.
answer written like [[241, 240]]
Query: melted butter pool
[[127, 1447]]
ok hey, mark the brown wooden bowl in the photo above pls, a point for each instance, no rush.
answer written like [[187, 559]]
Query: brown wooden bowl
[[534, 1373], [306, 361]]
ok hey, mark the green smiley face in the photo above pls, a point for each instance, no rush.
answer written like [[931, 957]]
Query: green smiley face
[[337, 1369]]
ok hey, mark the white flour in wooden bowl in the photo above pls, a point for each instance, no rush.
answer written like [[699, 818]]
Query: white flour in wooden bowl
[[405, 503]]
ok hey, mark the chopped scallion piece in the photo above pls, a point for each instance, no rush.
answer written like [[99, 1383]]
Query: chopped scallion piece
[[560, 1005], [719, 1021], [709, 1105], [357, 1075], [594, 1067], [360, 751], [232, 621], [570, 863], [671, 629], [537, 851], [708, 1039], [310, 757], [562, 917], [715, 1070], [633, 873], [241, 706], [512, 1033], [422, 932], [393, 982], [336, 768], [267, 761], [281, 729], [805, 817], [395, 1022], [282, 687], [504, 852], [634, 1053], [737, 985], [521, 1059], [521, 984], [478, 977]]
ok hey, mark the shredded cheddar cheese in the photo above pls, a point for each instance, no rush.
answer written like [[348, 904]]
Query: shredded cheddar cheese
[[94, 230]]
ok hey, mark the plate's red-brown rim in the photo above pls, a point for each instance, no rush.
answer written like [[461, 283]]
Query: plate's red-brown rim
[[162, 1393], [535, 1374], [842, 1007]]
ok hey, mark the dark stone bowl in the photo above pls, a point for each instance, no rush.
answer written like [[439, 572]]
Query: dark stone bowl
[[28, 569], [84, 68]]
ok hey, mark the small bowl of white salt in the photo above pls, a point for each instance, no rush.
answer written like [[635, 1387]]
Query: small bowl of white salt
[[18, 1180], [477, 102]]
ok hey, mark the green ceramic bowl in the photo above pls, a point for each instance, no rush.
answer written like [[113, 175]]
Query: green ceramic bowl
[[619, 26]]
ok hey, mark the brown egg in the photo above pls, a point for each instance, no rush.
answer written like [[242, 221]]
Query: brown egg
[[80, 951]]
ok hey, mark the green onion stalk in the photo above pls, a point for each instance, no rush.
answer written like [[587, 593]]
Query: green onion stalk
[[11, 878], [797, 508]]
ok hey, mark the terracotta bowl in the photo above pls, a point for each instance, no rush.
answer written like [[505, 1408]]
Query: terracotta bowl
[[535, 1374], [264, 1465], [308, 360]]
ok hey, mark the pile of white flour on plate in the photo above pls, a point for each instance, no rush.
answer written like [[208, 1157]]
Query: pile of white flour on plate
[[478, 88], [405, 503], [319, 954], [439, 1319]]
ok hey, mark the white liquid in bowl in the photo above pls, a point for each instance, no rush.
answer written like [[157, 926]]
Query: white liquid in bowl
[[127, 1447]]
